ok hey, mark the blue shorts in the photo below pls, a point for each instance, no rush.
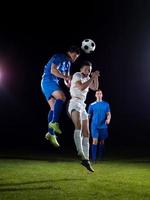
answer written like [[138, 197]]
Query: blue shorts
[[100, 134], [48, 87]]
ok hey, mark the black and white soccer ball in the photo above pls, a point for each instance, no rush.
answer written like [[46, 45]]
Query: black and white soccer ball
[[88, 46]]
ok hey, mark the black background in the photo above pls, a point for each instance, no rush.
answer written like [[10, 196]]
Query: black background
[[29, 35]]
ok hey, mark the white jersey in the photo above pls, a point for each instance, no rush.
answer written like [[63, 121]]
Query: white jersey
[[74, 90]]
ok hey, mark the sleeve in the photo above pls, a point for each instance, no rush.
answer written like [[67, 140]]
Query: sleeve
[[57, 59], [90, 110], [77, 77], [108, 108], [68, 68]]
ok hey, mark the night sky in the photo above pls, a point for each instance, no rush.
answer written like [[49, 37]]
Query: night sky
[[121, 32]]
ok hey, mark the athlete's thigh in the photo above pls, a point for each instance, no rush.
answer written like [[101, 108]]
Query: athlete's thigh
[[59, 94], [85, 123], [74, 106], [76, 118], [103, 134], [49, 87], [94, 132]]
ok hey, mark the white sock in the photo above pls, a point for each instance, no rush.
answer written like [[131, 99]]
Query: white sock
[[78, 142], [86, 146]]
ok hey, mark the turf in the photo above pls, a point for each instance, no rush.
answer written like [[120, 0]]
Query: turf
[[52, 177]]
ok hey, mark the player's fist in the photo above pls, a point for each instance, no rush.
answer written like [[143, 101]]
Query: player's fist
[[107, 121], [67, 83], [97, 73]]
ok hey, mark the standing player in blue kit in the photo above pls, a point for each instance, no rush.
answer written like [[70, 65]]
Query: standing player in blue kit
[[100, 116]]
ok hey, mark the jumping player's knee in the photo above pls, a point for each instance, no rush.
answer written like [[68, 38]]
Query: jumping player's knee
[[86, 133], [61, 97], [77, 125], [51, 102]]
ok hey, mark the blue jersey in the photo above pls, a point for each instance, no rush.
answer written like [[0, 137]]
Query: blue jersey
[[98, 111], [63, 65]]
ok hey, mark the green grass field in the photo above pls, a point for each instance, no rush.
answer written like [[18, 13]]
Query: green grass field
[[49, 177]]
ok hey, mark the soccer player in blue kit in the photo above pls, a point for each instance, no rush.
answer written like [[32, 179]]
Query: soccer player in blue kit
[[100, 116], [58, 67]]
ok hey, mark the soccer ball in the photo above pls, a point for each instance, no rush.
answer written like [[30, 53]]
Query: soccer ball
[[88, 46]]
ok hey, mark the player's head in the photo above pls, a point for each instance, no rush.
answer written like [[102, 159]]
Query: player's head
[[99, 94], [73, 52], [86, 68]]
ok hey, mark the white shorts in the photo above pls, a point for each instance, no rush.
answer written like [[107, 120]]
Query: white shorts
[[78, 105]]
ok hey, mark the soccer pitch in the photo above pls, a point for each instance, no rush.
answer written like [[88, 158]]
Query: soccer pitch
[[52, 178]]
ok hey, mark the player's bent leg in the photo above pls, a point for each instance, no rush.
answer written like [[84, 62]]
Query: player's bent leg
[[101, 150], [52, 139], [75, 116], [51, 103], [103, 135], [94, 149], [85, 134], [58, 106]]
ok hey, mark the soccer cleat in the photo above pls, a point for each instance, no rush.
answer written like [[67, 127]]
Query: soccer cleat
[[87, 164], [55, 127], [52, 139]]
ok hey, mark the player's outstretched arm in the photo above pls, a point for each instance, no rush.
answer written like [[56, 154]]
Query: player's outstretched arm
[[57, 73]]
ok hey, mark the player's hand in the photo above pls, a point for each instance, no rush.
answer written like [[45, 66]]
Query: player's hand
[[67, 77], [95, 74], [107, 121], [67, 83]]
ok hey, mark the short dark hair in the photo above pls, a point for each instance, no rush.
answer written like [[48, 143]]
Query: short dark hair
[[98, 90], [87, 63], [74, 48]]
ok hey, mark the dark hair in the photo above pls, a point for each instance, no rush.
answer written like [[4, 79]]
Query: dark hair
[[87, 63], [75, 49], [98, 90]]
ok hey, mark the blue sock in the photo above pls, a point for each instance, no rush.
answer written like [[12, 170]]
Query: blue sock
[[58, 106], [94, 152], [50, 116], [101, 151]]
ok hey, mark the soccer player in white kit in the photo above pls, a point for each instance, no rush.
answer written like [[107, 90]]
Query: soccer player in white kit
[[80, 84]]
